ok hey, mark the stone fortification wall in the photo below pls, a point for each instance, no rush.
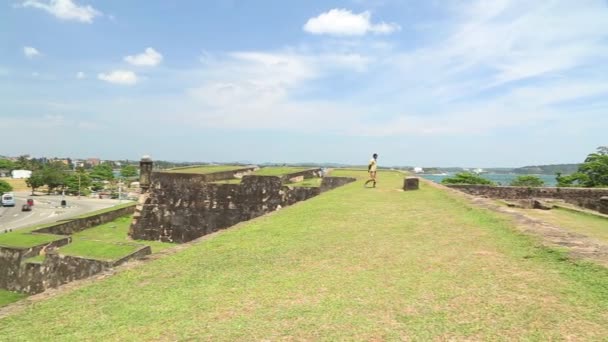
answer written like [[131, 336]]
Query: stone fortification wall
[[57, 269], [305, 174], [183, 207], [72, 226], [583, 197], [12, 257], [329, 183]]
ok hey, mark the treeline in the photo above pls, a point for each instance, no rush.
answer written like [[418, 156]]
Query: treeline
[[548, 169]]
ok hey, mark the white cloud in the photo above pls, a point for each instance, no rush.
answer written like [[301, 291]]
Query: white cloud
[[343, 22], [80, 75], [65, 9], [119, 77], [30, 52], [149, 57]]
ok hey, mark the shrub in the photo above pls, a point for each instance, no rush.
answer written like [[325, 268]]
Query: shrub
[[529, 181], [5, 187], [467, 178]]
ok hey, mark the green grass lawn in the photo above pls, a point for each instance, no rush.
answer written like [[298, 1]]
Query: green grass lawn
[[587, 224], [99, 250], [278, 171], [310, 183], [7, 297], [117, 231], [206, 169], [18, 239], [350, 264]]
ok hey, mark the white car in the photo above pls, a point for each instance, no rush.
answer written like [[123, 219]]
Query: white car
[[8, 200]]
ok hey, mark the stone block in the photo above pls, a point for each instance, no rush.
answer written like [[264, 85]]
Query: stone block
[[604, 205], [411, 183]]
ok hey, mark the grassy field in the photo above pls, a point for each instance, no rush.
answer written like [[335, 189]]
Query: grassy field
[[587, 224], [206, 169], [278, 171], [98, 250], [117, 231], [18, 239], [350, 264], [17, 184], [7, 297]]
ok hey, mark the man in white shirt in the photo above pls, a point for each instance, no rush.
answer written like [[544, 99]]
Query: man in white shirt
[[371, 168]]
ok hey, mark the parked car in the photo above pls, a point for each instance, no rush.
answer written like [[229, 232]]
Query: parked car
[[26, 207], [8, 200]]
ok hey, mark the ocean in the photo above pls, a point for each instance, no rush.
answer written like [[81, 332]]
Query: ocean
[[498, 178]]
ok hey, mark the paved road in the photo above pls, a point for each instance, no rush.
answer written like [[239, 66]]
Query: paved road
[[48, 209]]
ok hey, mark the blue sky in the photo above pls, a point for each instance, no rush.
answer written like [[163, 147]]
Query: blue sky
[[422, 83]]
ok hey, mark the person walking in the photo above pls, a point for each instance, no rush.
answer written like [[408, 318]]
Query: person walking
[[372, 169]]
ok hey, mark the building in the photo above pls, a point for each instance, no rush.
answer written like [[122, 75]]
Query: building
[[21, 174]]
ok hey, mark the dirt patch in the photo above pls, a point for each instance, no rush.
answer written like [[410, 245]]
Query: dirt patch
[[579, 246]]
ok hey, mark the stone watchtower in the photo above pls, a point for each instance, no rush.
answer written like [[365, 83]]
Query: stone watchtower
[[145, 173]]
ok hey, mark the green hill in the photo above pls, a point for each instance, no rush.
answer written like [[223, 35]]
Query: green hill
[[350, 264]]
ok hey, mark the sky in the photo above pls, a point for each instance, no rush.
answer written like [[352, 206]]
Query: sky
[[422, 83]]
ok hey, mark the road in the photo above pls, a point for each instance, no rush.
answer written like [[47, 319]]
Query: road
[[48, 209]]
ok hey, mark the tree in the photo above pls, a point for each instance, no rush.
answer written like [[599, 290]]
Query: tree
[[6, 164], [467, 178], [54, 175], [35, 181], [102, 172], [79, 181], [592, 173], [529, 181], [5, 187], [128, 171]]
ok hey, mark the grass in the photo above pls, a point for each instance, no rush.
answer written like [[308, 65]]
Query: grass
[[99, 250], [8, 297], [17, 184], [117, 231], [203, 169], [229, 181], [26, 240], [36, 259], [278, 171], [587, 224], [350, 264], [309, 183]]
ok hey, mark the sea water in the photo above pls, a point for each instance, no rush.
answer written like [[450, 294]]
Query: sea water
[[498, 178]]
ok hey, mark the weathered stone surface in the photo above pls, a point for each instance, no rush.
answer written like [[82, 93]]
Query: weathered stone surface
[[57, 269], [411, 183], [306, 174], [584, 197], [183, 207], [12, 257], [604, 205], [329, 183]]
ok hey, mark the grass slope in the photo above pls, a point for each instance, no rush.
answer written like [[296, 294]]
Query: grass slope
[[206, 169], [587, 224], [351, 264], [7, 297]]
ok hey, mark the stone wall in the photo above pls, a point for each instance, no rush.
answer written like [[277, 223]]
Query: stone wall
[[71, 226], [12, 257], [604, 205], [305, 174], [57, 269], [183, 207], [329, 183], [583, 197]]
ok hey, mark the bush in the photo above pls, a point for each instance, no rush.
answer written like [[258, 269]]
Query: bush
[[467, 178], [5, 187], [529, 181]]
